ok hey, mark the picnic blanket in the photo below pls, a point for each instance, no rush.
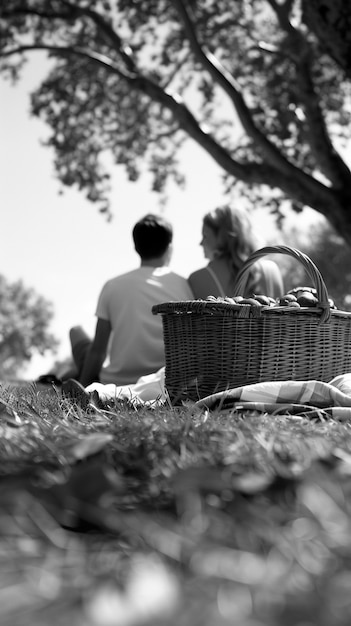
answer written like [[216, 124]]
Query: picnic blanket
[[298, 397], [302, 397]]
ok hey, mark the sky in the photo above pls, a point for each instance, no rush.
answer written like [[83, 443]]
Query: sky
[[60, 245]]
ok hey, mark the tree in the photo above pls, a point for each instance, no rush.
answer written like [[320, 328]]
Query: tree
[[248, 80], [24, 321], [330, 21]]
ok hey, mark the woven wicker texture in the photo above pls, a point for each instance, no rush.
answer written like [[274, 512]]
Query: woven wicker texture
[[213, 345]]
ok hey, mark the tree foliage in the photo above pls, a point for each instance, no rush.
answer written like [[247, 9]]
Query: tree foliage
[[24, 322], [328, 252], [249, 81], [334, 266]]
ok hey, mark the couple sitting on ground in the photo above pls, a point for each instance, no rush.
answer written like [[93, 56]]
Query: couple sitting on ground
[[128, 341]]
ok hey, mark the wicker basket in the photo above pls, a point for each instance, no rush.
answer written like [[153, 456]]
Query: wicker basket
[[212, 345]]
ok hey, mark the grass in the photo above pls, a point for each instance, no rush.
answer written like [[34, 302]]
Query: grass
[[171, 516]]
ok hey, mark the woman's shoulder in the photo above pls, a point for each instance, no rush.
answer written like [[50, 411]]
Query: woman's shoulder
[[205, 282], [216, 266], [198, 273], [198, 280]]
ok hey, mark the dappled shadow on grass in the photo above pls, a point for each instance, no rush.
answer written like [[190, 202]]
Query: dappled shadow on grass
[[170, 516]]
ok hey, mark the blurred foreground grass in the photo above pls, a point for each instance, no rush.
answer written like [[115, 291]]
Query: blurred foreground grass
[[171, 516]]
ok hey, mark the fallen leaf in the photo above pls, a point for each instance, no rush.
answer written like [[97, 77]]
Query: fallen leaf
[[251, 482], [89, 444]]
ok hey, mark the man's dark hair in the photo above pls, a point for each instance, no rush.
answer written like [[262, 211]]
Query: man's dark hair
[[152, 236]]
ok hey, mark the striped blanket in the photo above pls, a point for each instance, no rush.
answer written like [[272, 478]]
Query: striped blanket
[[306, 397]]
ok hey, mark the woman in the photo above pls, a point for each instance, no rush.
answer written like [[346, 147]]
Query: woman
[[228, 240]]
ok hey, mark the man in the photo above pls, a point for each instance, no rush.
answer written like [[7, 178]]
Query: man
[[127, 333]]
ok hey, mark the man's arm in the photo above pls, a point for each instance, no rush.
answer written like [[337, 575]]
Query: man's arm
[[96, 354]]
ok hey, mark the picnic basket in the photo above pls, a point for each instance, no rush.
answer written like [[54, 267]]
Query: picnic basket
[[213, 344]]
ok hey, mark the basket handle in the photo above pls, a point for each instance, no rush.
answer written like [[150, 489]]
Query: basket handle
[[309, 266]]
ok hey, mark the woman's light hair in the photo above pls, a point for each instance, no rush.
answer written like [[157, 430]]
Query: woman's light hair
[[235, 235]]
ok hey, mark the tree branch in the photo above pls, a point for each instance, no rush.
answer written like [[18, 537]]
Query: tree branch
[[111, 34], [330, 22], [76, 11], [330, 162], [36, 12], [94, 57], [230, 86], [228, 83], [182, 115], [282, 11], [301, 187]]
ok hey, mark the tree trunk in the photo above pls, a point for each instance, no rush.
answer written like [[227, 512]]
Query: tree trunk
[[330, 21]]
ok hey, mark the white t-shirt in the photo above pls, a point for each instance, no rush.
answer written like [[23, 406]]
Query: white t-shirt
[[136, 344]]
